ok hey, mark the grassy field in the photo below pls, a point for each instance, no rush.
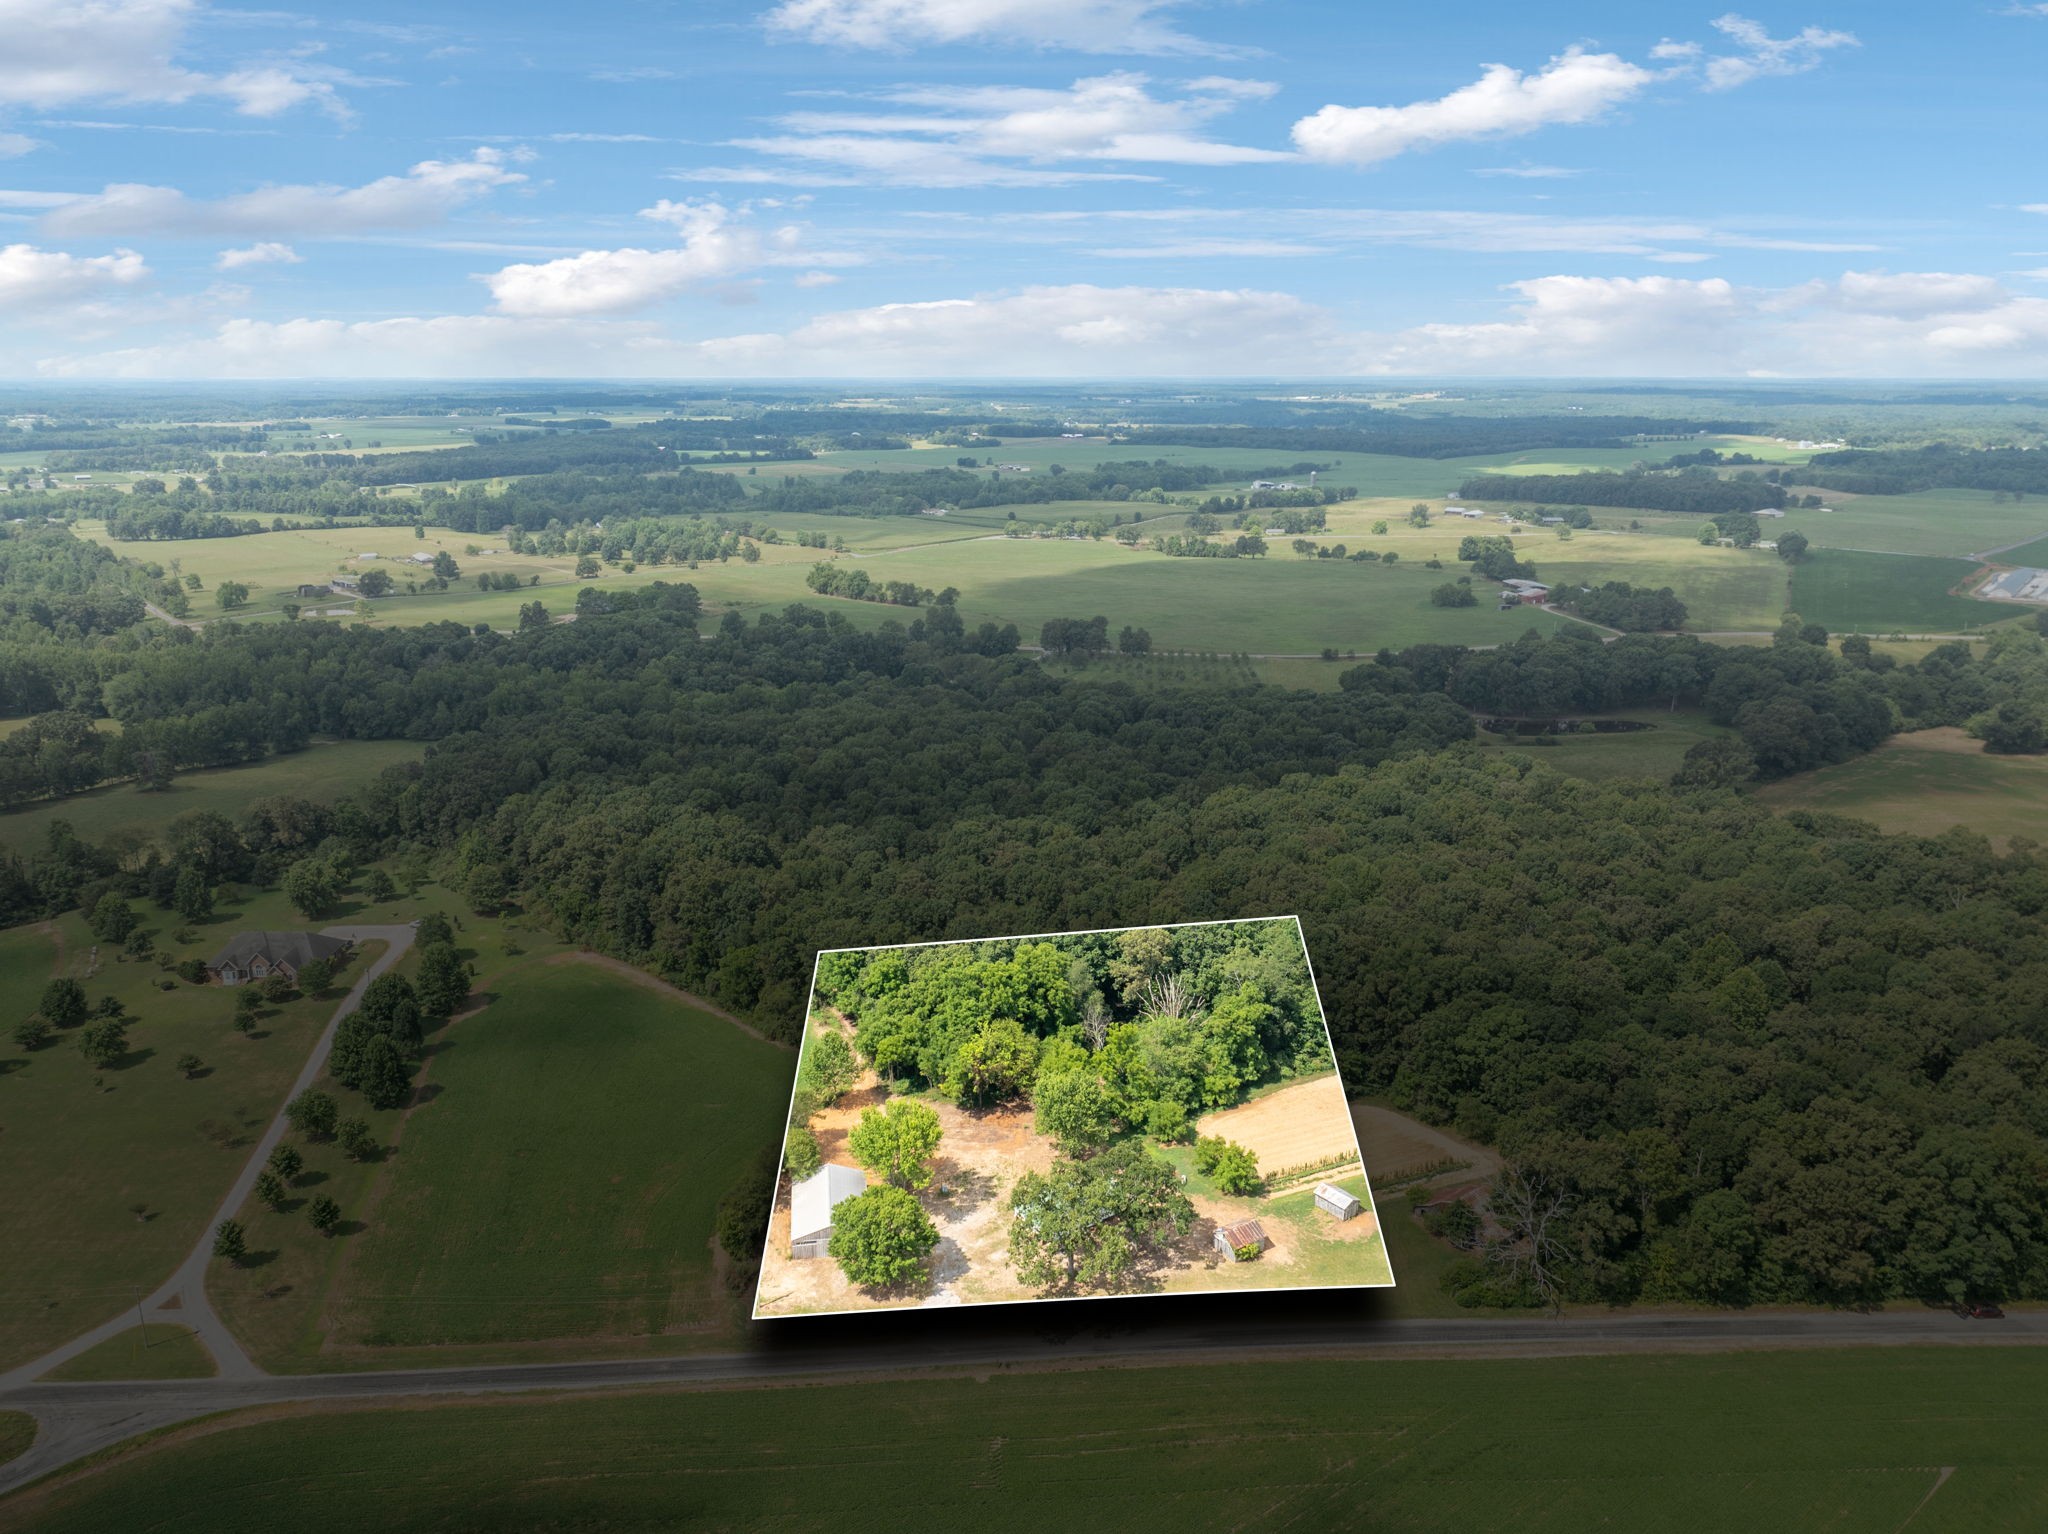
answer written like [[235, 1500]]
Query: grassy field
[[1952, 522], [167, 1352], [1851, 592], [1652, 753], [1944, 1438], [17, 1433], [322, 773], [556, 1181], [1926, 783], [109, 1176]]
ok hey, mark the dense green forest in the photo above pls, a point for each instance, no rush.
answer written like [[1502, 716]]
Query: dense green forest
[[1730, 1056]]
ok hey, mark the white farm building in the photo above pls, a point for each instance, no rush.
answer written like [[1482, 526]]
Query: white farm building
[[812, 1201], [1332, 1199]]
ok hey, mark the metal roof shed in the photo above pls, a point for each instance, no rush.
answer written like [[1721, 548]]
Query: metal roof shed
[[812, 1201], [1334, 1200]]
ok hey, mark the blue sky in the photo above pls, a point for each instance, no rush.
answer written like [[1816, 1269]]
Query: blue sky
[[877, 188]]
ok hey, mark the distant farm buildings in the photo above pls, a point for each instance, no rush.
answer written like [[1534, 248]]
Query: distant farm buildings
[[1516, 592], [811, 1203], [1464, 511], [344, 583], [1770, 511]]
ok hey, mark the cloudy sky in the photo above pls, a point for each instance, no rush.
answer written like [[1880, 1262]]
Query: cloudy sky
[[1013, 188]]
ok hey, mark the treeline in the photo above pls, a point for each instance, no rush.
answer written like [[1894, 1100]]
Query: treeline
[[1686, 491], [1440, 436], [1905, 471]]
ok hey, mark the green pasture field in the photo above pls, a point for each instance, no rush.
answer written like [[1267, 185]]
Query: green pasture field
[[2027, 555], [1953, 522], [1279, 604], [163, 1351], [322, 773], [559, 1182], [1851, 592], [82, 1153], [1722, 588], [17, 1434], [1652, 753], [1946, 1439], [1926, 783]]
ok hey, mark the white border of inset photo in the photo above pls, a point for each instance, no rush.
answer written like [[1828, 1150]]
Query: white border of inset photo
[[782, 1196]]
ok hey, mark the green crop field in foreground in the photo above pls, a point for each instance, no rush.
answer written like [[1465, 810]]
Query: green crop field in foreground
[[1849, 1441], [322, 773], [1926, 783], [1847, 591], [561, 1180]]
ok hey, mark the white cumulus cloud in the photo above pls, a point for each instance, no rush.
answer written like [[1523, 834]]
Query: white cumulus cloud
[[1080, 26], [52, 54], [31, 278], [716, 243], [1575, 87], [422, 196], [264, 252], [15, 145], [1761, 54]]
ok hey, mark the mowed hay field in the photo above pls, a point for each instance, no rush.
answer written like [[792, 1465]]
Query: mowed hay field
[[560, 1180], [1655, 752], [1302, 1123], [1944, 1438], [1852, 592], [1925, 783], [322, 773], [80, 1154]]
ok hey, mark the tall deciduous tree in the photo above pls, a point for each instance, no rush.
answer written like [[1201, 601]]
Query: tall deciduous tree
[[881, 1238], [897, 1141]]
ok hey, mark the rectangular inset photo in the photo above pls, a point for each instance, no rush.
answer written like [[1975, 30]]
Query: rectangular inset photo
[[1061, 1116]]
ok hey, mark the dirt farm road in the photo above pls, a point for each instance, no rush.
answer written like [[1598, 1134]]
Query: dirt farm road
[[80, 1419]]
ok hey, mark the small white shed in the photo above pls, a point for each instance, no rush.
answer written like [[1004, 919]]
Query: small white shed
[[812, 1201], [1332, 1199]]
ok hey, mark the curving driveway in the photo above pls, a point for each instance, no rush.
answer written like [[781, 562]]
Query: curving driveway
[[185, 1290]]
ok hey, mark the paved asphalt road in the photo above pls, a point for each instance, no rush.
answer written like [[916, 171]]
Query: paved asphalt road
[[78, 1419]]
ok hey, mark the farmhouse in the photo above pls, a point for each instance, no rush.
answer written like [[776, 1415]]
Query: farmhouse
[[1334, 1200], [812, 1201], [258, 955], [1245, 1234], [421, 559], [1525, 591], [346, 583]]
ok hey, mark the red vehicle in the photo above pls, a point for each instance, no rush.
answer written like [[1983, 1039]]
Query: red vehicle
[[1980, 1312]]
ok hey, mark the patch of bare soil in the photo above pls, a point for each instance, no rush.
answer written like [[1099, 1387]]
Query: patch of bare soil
[[1298, 1125]]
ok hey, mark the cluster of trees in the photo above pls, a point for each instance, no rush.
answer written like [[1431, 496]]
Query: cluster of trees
[[1105, 1033], [1640, 489], [1194, 546], [830, 580], [1493, 556], [1618, 605]]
